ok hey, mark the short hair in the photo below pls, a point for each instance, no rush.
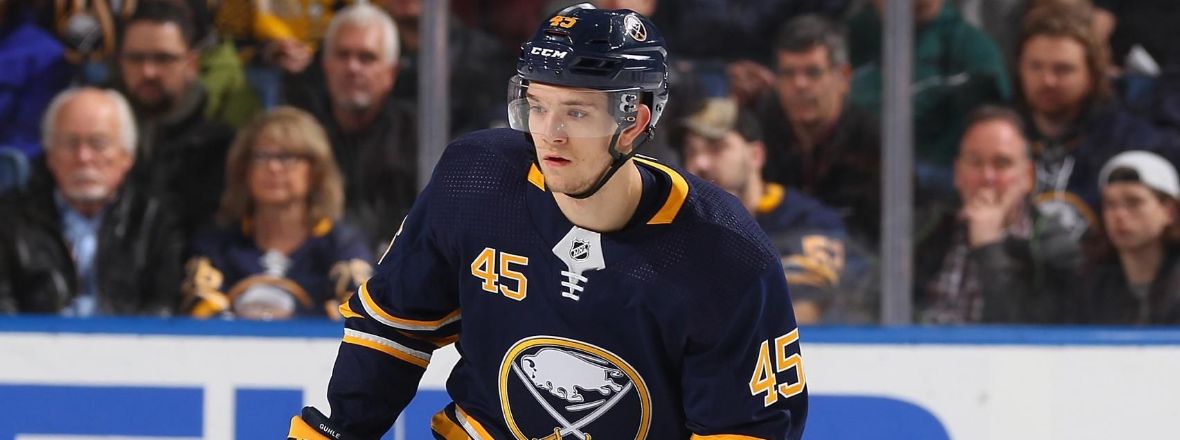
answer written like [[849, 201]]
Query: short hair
[[364, 14], [294, 129], [747, 126], [165, 11], [1063, 21], [128, 136], [992, 112], [804, 32]]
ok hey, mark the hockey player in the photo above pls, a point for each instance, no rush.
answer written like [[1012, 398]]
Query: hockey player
[[591, 293]]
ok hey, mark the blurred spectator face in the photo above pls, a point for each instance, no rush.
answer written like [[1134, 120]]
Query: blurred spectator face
[[1134, 215], [87, 155], [358, 74], [156, 64], [924, 10], [643, 7], [1053, 75], [810, 88], [278, 176], [404, 12], [728, 162], [993, 155]]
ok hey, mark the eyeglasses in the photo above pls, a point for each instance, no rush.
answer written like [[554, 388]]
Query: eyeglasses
[[285, 159], [98, 144], [810, 72], [157, 58]]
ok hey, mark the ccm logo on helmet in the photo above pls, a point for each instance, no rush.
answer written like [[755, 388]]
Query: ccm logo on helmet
[[549, 53]]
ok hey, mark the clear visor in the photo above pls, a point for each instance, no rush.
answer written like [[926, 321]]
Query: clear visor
[[556, 112]]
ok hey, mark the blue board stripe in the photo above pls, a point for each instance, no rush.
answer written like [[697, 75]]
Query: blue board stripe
[[261, 413], [970, 335], [100, 410]]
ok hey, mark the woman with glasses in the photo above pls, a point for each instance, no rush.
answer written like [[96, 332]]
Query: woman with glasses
[[280, 251]]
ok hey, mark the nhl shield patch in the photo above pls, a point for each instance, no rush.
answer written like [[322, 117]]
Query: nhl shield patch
[[555, 388]]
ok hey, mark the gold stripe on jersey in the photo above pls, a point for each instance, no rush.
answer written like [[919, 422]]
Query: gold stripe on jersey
[[676, 196], [771, 200], [438, 342], [536, 178], [346, 311], [473, 428], [388, 319], [722, 437], [447, 428], [386, 346]]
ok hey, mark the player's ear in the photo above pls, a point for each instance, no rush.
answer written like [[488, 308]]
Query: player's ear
[[758, 154], [630, 134]]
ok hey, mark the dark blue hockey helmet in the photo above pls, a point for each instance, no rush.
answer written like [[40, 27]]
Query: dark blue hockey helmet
[[616, 51]]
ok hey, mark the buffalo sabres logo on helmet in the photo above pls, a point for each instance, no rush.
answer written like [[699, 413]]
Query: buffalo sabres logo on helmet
[[554, 388], [635, 28]]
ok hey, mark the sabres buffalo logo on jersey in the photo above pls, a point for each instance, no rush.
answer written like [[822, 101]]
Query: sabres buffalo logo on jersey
[[554, 388]]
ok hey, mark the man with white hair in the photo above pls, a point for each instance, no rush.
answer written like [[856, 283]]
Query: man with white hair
[[373, 136], [82, 240]]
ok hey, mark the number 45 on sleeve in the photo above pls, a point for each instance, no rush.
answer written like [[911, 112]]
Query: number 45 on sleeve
[[765, 377]]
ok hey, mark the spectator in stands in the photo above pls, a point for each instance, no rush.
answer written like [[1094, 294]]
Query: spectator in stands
[[35, 69], [994, 258], [373, 136], [475, 58], [230, 97], [816, 140], [85, 241], [181, 154], [723, 144], [277, 37], [1073, 123], [1137, 279], [956, 68], [281, 251]]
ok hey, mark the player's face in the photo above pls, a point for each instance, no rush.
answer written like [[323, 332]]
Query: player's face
[[1053, 75], [992, 155], [156, 64], [571, 130], [278, 175], [86, 156], [727, 162], [809, 87], [359, 75], [1134, 216]]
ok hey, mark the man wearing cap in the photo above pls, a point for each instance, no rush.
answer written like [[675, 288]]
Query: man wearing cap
[[1136, 278], [995, 257], [722, 143]]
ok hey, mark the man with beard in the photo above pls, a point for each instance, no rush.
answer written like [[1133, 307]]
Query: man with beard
[[1072, 121], [373, 136], [723, 144], [816, 140], [181, 153], [81, 240]]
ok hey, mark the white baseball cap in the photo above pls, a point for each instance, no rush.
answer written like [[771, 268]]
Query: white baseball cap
[[1154, 171]]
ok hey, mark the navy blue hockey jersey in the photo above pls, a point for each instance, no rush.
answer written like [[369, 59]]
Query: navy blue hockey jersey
[[227, 268], [679, 325], [810, 238]]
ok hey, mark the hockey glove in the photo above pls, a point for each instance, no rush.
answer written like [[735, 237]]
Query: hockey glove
[[314, 425]]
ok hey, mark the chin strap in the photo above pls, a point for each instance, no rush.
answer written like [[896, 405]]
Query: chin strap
[[617, 161]]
